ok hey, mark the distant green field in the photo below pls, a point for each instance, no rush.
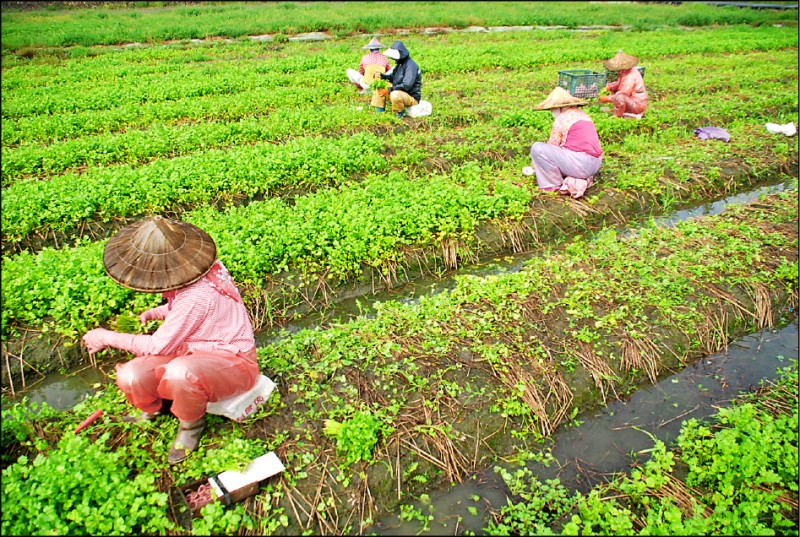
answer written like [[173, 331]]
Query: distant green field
[[110, 24], [311, 196]]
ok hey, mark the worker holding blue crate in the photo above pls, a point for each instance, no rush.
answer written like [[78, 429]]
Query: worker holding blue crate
[[628, 94]]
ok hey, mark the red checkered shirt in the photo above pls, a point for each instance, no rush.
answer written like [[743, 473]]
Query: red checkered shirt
[[373, 58]]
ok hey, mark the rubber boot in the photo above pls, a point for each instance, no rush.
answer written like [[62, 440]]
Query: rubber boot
[[187, 439], [379, 109]]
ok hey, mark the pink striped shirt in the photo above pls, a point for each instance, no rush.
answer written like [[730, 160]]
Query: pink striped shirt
[[202, 319]]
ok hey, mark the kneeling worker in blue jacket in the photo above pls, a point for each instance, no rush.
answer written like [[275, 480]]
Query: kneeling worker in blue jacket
[[406, 79]]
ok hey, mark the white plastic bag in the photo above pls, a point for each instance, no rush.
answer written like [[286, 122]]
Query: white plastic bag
[[239, 407], [788, 129], [424, 108]]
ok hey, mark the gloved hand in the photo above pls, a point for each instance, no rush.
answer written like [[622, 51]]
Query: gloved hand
[[98, 339], [606, 98], [383, 92]]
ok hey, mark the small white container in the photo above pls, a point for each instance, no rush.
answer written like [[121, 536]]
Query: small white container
[[240, 485], [239, 407]]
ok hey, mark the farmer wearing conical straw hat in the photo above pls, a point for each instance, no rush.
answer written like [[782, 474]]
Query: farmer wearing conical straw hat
[[628, 93], [572, 155], [205, 349], [371, 66]]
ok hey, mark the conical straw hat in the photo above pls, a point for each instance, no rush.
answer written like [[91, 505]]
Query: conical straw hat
[[155, 255], [620, 62], [374, 43], [559, 98]]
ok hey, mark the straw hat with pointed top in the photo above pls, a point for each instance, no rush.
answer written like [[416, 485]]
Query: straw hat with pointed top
[[374, 43], [620, 62], [559, 98], [156, 254]]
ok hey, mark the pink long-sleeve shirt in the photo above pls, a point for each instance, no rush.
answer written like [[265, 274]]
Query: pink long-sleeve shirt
[[199, 317], [573, 129], [631, 83]]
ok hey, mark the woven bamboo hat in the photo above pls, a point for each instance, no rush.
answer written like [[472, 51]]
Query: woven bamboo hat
[[620, 62], [156, 254], [559, 98], [374, 43]]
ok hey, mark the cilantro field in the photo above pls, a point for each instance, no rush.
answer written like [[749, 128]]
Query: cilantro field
[[231, 117]]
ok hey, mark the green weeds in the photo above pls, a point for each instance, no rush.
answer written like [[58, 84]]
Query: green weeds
[[740, 478]]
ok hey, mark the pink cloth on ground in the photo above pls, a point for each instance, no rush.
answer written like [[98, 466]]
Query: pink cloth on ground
[[575, 187]]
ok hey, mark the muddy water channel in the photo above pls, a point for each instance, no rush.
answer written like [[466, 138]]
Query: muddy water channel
[[62, 390], [598, 444], [587, 452]]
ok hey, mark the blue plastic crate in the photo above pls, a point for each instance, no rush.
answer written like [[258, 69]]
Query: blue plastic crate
[[582, 83]]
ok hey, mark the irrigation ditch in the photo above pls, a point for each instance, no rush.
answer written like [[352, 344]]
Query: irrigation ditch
[[600, 445], [292, 294], [487, 377], [453, 417]]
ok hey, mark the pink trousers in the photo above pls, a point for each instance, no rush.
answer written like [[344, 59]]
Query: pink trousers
[[552, 163], [189, 379], [624, 104]]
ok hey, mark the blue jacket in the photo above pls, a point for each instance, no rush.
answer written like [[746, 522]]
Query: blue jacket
[[406, 75]]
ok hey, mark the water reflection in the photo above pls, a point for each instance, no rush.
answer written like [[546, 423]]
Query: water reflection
[[602, 444]]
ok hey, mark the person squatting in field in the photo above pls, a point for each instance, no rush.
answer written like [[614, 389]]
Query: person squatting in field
[[204, 351], [370, 67], [572, 154], [628, 93], [406, 79]]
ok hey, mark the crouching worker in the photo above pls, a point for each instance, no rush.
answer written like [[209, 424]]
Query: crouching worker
[[203, 352], [628, 93], [406, 79], [572, 154], [372, 65]]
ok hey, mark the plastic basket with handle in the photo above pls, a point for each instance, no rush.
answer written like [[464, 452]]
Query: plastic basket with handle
[[582, 83]]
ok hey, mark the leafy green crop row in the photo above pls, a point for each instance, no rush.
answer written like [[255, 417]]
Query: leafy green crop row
[[124, 191], [331, 231], [57, 205], [328, 232], [446, 59]]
